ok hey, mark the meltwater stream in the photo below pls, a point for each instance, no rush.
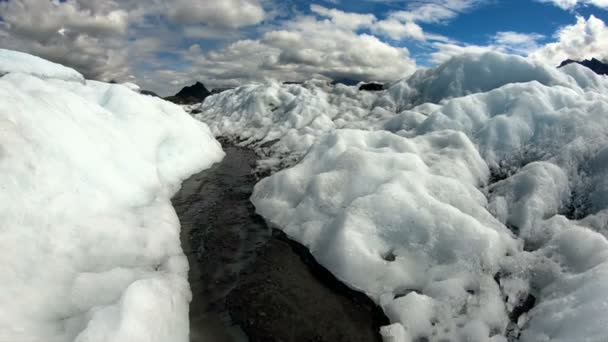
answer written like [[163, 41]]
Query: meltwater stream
[[250, 282]]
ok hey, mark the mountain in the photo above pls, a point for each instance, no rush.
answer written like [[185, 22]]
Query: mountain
[[372, 86], [195, 93], [597, 66]]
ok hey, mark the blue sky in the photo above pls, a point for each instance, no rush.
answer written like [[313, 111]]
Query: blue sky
[[164, 45]]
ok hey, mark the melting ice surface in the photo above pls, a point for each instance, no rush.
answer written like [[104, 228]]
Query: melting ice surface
[[470, 200], [89, 241]]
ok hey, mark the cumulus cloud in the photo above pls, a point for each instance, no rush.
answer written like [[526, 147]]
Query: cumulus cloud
[[506, 41], [103, 39], [304, 47], [81, 34], [397, 30], [41, 20], [444, 51], [517, 42], [582, 40], [225, 13], [344, 20]]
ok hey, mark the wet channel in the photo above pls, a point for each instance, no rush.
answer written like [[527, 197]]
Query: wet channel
[[251, 283]]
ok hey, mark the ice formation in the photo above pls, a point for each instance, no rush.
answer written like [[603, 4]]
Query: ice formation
[[469, 201], [89, 241]]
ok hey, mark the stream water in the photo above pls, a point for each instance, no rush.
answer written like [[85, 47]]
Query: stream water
[[250, 282]]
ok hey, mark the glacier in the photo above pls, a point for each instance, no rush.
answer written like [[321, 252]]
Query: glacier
[[469, 200], [89, 241]]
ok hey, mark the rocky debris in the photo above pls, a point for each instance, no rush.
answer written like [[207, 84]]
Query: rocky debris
[[597, 66], [373, 86], [195, 93]]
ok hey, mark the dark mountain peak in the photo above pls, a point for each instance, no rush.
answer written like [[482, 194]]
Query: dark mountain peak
[[372, 86], [566, 62], [197, 90], [195, 93], [594, 64]]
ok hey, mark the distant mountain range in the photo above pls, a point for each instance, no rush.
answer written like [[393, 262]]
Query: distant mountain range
[[594, 64]]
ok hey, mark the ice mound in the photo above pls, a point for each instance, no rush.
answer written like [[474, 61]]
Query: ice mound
[[282, 121], [89, 240], [402, 220], [472, 73], [483, 216], [19, 62]]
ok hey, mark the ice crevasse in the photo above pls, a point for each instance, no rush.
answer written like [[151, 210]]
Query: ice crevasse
[[89, 241], [469, 201]]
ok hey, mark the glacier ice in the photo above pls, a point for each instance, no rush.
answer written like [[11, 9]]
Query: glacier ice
[[89, 241], [469, 201], [19, 62]]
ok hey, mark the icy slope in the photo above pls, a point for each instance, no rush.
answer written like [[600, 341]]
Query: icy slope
[[402, 220], [19, 62], [481, 216], [283, 120], [89, 241]]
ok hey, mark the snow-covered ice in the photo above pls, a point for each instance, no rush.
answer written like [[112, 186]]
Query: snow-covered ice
[[282, 121], [89, 241], [470, 200], [19, 62]]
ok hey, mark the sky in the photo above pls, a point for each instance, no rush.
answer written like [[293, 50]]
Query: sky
[[163, 45]]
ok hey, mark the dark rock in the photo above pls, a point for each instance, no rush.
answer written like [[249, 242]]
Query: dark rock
[[371, 86], [195, 93], [524, 306], [597, 66], [148, 92]]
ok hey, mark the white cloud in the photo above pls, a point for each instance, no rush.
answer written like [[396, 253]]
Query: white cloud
[[436, 11], [224, 13], [405, 24], [115, 39], [570, 4], [305, 47], [582, 40], [40, 20], [80, 34], [345, 20], [398, 30], [517, 42], [445, 51], [507, 42]]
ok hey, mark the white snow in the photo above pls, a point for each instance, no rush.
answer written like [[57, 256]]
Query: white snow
[[282, 121], [400, 219], [451, 198], [19, 62], [89, 241]]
